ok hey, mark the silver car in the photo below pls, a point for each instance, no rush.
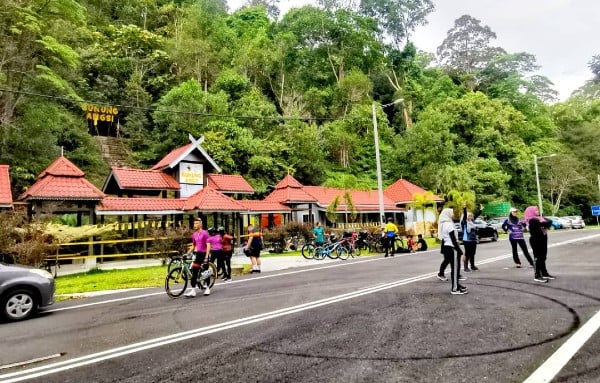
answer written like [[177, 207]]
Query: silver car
[[576, 221], [23, 290]]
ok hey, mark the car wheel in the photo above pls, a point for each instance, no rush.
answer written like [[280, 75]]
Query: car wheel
[[495, 237], [19, 304]]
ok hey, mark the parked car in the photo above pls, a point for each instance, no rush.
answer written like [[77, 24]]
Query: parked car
[[576, 221], [24, 290], [565, 223], [497, 222], [484, 230]]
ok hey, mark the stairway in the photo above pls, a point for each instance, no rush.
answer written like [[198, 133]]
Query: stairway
[[115, 151]]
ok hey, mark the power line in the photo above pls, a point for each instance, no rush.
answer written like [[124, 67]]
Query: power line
[[148, 109]]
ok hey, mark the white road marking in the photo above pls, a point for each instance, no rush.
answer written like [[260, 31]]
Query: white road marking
[[552, 366], [30, 361], [547, 371]]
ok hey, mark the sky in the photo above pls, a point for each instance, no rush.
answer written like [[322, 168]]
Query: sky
[[562, 34]]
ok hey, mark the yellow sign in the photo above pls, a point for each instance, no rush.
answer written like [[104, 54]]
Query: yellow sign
[[97, 113]]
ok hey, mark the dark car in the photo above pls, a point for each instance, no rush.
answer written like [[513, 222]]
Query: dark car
[[23, 290], [485, 230]]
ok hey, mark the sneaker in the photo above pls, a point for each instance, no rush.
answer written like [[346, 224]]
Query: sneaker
[[474, 268], [206, 291], [518, 265], [191, 292], [549, 276], [442, 278], [540, 279], [459, 292], [462, 278], [467, 270], [257, 271], [463, 288]]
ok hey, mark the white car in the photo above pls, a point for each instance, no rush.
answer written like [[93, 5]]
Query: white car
[[565, 223], [576, 221]]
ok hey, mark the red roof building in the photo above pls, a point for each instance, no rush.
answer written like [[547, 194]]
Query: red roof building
[[139, 182], [229, 184], [403, 192], [6, 200]]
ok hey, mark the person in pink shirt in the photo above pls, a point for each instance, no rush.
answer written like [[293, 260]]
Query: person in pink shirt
[[215, 242], [201, 249]]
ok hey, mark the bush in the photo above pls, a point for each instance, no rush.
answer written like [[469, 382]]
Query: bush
[[24, 242]]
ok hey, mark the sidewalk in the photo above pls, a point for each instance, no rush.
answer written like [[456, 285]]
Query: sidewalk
[[268, 264]]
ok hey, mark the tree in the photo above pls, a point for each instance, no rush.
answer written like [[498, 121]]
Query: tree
[[564, 174], [398, 18], [467, 48], [420, 202]]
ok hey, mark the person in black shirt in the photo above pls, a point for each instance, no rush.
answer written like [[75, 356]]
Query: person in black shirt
[[538, 229]]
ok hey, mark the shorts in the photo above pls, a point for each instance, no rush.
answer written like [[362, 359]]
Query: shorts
[[254, 252]]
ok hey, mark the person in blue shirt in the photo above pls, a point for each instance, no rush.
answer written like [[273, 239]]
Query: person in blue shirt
[[389, 231], [319, 234], [515, 227], [469, 238]]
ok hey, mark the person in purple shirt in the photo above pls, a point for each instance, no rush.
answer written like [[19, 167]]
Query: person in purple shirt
[[201, 249], [216, 249], [515, 227]]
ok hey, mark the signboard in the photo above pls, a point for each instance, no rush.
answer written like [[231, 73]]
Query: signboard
[[596, 210], [498, 209], [191, 178]]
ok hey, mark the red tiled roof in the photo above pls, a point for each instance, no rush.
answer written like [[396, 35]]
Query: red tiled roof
[[144, 179], [229, 183], [62, 167], [403, 191], [172, 156], [62, 180], [141, 205], [209, 199], [257, 207], [62, 188], [288, 182], [362, 200], [5, 191]]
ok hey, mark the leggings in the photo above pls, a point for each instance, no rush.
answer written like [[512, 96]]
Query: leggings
[[196, 266], [227, 262], [523, 245], [470, 249], [451, 257]]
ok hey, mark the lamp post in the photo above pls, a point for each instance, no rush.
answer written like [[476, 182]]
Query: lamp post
[[537, 180], [378, 160]]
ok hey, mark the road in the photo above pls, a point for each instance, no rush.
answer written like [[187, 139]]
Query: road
[[368, 319]]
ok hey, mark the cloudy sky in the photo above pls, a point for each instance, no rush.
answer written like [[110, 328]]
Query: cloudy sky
[[562, 34]]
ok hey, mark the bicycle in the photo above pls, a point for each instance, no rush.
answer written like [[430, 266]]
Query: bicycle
[[178, 277]]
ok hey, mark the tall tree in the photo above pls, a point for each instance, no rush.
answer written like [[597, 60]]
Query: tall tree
[[398, 18], [466, 47]]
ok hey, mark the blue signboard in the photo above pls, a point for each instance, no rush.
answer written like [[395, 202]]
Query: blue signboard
[[596, 210]]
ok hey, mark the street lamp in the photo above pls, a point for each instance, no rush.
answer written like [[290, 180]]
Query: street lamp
[[537, 180], [378, 160]]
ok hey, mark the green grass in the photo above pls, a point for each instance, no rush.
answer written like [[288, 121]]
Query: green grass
[[98, 280]]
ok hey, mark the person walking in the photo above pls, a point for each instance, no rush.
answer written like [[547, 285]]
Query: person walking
[[515, 228], [200, 249], [469, 238], [538, 230], [227, 241], [451, 251], [253, 247]]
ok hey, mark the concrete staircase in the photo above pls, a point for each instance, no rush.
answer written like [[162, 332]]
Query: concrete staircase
[[115, 151]]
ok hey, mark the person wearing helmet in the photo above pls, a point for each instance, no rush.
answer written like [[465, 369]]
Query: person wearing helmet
[[201, 249], [390, 230], [227, 241], [216, 248]]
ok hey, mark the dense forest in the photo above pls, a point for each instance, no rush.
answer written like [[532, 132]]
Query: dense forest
[[275, 93]]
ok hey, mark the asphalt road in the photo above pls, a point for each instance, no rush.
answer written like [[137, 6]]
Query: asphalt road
[[368, 319]]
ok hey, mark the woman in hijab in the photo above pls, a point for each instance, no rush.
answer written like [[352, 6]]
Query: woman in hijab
[[515, 228], [538, 229], [450, 249]]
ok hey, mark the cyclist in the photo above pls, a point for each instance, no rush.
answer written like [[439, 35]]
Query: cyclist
[[227, 252], [216, 249], [201, 249], [390, 230]]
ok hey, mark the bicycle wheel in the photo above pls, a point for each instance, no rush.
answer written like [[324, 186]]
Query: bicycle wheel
[[211, 279], [379, 246], [176, 282], [357, 250], [342, 252], [308, 251]]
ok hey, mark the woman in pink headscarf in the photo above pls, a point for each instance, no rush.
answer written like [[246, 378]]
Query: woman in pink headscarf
[[538, 228]]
